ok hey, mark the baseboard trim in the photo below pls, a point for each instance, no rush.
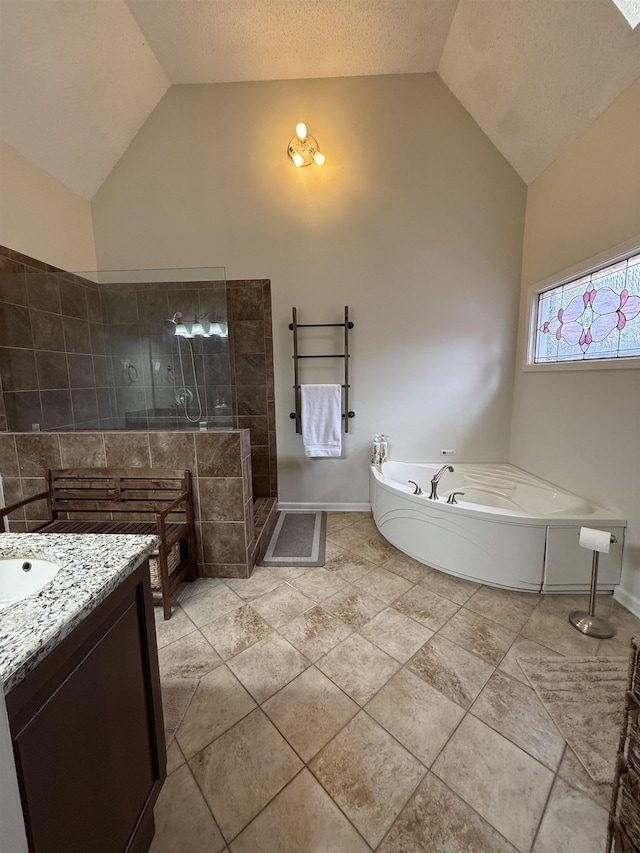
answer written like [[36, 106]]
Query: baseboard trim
[[627, 600], [293, 506]]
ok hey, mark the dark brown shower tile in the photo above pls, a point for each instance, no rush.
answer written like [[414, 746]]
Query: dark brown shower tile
[[271, 415], [38, 510], [257, 426], [130, 400], [217, 370], [187, 302], [251, 399], [250, 369], [172, 450], [100, 371], [119, 307], [245, 301], [94, 306], [82, 450], [37, 453], [223, 542], [18, 369], [76, 335], [247, 479], [12, 489], [52, 369], [152, 305], [124, 339], [15, 327], [127, 450], [260, 461], [73, 299], [245, 443], [81, 373], [43, 291], [47, 330], [221, 499], [103, 396], [212, 301], [8, 456], [261, 487], [56, 409], [12, 282], [218, 454], [85, 405], [247, 336], [98, 339], [23, 408]]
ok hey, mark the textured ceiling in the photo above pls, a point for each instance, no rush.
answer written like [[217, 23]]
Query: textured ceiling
[[78, 78]]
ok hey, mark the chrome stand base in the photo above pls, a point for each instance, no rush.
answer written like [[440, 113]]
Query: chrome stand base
[[593, 626]]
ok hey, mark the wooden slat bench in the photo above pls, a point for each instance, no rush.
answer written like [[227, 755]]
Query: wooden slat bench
[[126, 500]]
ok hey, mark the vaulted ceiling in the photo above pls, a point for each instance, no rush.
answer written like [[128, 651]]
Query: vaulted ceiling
[[78, 78]]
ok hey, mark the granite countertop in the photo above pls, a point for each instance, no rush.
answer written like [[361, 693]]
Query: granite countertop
[[92, 566]]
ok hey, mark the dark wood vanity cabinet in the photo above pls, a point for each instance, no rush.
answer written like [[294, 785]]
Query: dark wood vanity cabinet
[[87, 731]]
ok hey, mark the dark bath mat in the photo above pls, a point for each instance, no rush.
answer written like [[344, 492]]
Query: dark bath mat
[[298, 540]]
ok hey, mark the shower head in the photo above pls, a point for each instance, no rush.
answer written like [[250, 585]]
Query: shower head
[[173, 322]]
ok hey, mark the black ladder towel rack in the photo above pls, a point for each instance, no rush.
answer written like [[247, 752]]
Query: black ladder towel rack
[[294, 326]]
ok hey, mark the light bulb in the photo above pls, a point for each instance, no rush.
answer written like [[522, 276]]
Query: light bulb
[[197, 329], [181, 330], [297, 158], [319, 158], [301, 130]]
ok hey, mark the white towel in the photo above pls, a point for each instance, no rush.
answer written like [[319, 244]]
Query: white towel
[[321, 412]]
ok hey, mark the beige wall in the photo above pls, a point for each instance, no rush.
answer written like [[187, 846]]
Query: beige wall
[[581, 428], [42, 218], [415, 222]]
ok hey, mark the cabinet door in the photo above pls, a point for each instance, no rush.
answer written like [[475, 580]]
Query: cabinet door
[[86, 758]]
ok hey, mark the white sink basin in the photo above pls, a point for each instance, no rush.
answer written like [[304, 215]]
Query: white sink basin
[[20, 578]]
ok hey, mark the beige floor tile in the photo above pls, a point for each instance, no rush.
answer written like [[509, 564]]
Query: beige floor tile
[[387, 586], [188, 657], [315, 632], [241, 771], [370, 546], [368, 774], [210, 604], [572, 771], [236, 631], [478, 635], [436, 820], [626, 626], [218, 703], [287, 573], [301, 819], [416, 714], [183, 821], [262, 580], [514, 710], [431, 610], [562, 604], [452, 670], [508, 608], [501, 782], [175, 758], [309, 711], [319, 584], [367, 526], [190, 588], [405, 566], [267, 666], [455, 589], [358, 667], [347, 566], [339, 520], [281, 605], [396, 634], [556, 633], [571, 822], [522, 649], [168, 630], [355, 608]]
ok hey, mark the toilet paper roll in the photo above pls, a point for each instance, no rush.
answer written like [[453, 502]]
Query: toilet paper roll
[[595, 540]]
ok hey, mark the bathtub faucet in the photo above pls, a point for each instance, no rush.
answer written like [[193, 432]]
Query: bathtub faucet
[[436, 479]]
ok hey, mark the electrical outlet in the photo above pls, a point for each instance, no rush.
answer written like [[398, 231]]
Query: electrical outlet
[[450, 452]]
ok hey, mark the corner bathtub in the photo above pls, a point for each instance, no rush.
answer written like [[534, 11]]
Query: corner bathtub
[[509, 529]]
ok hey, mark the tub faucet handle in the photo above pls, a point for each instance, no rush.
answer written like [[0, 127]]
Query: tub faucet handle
[[452, 497], [418, 490]]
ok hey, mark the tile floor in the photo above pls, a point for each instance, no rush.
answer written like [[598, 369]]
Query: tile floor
[[373, 704]]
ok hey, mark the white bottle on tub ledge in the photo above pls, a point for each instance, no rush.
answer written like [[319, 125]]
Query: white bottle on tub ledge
[[384, 448], [375, 450]]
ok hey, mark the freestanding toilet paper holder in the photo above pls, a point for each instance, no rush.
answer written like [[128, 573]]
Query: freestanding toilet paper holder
[[589, 623]]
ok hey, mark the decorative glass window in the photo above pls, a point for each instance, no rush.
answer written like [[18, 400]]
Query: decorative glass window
[[595, 316]]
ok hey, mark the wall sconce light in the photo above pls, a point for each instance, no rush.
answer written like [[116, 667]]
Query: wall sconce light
[[303, 148]]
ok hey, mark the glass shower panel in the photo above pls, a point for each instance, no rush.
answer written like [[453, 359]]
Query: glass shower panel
[[166, 348]]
